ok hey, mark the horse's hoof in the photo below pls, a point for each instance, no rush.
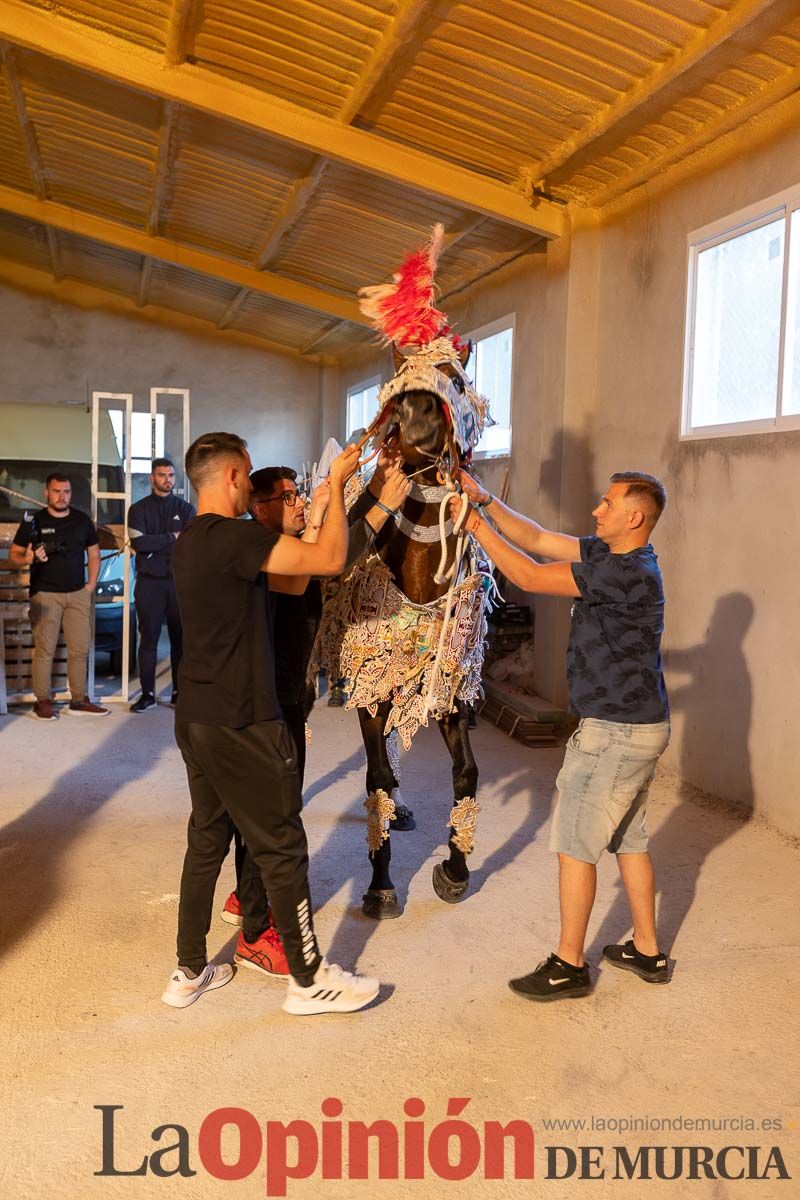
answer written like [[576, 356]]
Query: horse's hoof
[[381, 904], [403, 821], [447, 889]]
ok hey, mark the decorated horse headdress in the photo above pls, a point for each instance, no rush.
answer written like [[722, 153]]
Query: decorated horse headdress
[[405, 314]]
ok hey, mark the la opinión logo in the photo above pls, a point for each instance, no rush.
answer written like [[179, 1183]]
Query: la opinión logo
[[453, 1149]]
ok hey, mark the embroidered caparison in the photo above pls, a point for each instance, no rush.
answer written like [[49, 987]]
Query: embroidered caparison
[[386, 646], [380, 811], [464, 821]]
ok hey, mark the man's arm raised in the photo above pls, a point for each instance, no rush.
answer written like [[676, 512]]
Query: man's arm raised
[[546, 579], [325, 557], [523, 531]]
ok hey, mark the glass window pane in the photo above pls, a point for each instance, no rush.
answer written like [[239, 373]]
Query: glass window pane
[[490, 371], [362, 406], [737, 328], [141, 435], [791, 378]]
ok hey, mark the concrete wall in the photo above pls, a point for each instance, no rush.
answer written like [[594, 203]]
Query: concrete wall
[[727, 541], [597, 388], [52, 352]]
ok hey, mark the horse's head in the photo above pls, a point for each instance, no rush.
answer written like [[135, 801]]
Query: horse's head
[[421, 417]]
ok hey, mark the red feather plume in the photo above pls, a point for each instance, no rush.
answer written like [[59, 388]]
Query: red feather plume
[[404, 311]]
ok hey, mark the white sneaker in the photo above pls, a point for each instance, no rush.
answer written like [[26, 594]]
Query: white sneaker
[[182, 991], [333, 990]]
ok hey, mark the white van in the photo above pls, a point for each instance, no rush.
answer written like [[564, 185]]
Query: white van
[[36, 439]]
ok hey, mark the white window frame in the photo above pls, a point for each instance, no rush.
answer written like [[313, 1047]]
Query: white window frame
[[476, 335], [754, 216], [361, 386]]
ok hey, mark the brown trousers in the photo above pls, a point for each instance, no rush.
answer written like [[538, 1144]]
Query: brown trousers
[[48, 611]]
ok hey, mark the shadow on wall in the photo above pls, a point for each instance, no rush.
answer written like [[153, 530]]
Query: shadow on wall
[[716, 703], [566, 479]]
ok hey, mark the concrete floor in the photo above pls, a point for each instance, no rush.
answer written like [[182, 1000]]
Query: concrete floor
[[93, 816]]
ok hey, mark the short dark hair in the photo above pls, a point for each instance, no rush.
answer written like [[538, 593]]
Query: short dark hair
[[205, 452], [645, 486], [57, 477], [162, 462], [264, 481]]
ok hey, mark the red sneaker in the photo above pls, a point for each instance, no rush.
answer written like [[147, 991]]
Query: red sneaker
[[232, 912], [266, 955]]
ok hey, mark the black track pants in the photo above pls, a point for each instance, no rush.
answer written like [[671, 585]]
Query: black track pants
[[247, 778], [156, 602], [294, 716]]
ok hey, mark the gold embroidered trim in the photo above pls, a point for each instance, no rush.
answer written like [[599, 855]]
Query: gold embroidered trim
[[380, 811], [386, 646], [464, 821]]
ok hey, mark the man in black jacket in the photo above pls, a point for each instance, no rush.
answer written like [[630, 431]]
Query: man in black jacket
[[154, 525]]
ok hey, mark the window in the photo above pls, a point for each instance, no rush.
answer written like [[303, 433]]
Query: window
[[742, 362], [362, 404], [490, 371], [142, 454]]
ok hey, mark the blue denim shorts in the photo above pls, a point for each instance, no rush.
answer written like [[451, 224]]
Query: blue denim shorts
[[603, 786]]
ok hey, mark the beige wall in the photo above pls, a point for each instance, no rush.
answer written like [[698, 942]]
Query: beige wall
[[727, 542], [52, 352], [597, 388]]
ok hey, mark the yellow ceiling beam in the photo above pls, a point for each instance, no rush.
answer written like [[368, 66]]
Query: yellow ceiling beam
[[495, 263], [88, 295], [180, 31], [113, 233], [290, 213], [52, 34], [163, 165], [393, 51], [145, 272], [706, 40], [321, 337], [779, 89]]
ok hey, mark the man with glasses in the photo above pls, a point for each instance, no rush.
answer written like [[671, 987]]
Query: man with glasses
[[278, 506]]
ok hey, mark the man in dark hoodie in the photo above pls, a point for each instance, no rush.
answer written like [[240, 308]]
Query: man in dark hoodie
[[154, 525]]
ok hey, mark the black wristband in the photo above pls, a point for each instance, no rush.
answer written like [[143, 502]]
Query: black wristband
[[390, 512], [485, 503]]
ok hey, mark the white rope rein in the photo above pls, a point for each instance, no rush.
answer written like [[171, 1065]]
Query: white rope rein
[[442, 576]]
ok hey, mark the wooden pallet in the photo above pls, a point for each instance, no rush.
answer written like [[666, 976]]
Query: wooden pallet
[[516, 724], [16, 641]]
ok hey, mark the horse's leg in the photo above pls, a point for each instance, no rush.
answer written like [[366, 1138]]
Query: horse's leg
[[451, 878], [403, 820], [380, 899]]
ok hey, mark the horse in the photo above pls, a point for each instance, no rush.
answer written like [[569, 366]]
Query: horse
[[403, 573]]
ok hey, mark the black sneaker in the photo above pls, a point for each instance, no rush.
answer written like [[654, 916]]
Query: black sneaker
[[553, 979], [145, 701], [652, 968]]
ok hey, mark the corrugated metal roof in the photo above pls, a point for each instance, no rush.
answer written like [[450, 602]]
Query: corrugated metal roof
[[24, 242], [307, 52], [269, 136]]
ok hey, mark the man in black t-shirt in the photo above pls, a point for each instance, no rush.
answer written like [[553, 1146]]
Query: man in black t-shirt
[[240, 760], [617, 689], [277, 505], [55, 542]]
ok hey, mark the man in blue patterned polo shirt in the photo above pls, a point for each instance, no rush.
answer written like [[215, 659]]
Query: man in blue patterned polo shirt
[[616, 687]]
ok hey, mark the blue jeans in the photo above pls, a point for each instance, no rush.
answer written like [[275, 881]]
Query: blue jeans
[[603, 787]]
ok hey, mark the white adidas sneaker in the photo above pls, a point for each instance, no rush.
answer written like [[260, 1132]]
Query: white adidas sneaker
[[183, 991], [333, 991]]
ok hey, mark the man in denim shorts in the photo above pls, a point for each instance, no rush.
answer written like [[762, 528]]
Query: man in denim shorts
[[617, 689]]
